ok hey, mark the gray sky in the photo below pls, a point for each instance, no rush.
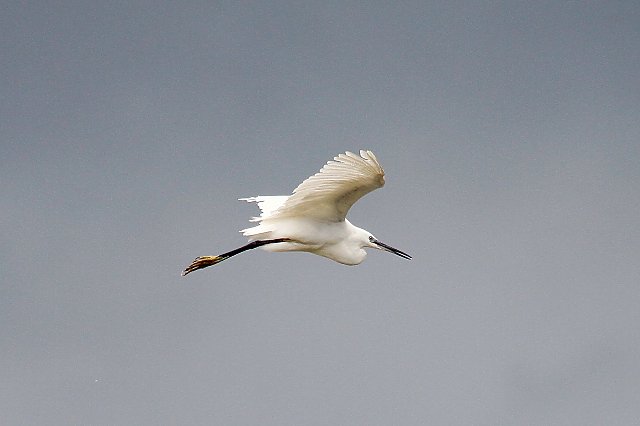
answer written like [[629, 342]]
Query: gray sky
[[509, 132]]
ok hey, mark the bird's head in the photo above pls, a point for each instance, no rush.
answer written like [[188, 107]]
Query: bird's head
[[373, 242]]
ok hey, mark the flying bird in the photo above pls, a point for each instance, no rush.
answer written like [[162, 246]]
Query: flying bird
[[313, 218]]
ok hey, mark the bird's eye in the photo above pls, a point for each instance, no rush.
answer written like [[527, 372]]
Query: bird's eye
[[371, 238]]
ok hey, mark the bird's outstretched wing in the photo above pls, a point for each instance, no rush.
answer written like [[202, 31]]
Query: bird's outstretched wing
[[330, 193]]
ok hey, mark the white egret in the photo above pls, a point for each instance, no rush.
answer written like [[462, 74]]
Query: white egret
[[313, 217]]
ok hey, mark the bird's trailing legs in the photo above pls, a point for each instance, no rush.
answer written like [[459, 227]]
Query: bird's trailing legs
[[204, 261]]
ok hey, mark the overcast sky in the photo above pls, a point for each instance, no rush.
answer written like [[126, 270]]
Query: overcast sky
[[510, 136]]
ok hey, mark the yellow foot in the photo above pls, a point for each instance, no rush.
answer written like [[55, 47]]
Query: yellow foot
[[202, 262]]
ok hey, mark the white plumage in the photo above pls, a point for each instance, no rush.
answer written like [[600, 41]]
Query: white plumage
[[313, 217]]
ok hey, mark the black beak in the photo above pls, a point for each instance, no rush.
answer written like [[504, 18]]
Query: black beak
[[390, 249]]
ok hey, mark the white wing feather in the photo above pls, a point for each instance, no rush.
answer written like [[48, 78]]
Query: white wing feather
[[266, 203], [329, 194], [326, 196]]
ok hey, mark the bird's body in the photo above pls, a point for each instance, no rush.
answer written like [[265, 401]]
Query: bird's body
[[313, 218], [339, 241]]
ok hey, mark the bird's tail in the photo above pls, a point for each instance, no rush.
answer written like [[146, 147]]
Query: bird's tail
[[203, 262]]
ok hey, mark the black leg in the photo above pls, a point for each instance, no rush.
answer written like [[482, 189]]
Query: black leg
[[204, 261]]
